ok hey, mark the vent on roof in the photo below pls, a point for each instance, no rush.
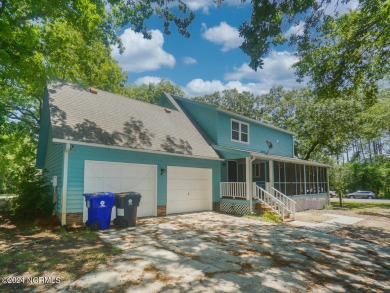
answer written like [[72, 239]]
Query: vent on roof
[[167, 110], [93, 90]]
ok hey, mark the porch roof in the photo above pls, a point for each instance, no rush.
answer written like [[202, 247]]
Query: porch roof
[[231, 154]]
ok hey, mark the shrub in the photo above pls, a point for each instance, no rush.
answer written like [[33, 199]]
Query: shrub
[[32, 198]]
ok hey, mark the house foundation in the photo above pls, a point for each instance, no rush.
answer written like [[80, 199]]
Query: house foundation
[[161, 211]]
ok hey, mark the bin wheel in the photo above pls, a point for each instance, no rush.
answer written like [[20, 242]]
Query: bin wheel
[[94, 226], [123, 224]]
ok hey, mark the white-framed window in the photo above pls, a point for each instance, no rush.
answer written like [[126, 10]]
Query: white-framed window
[[240, 131]]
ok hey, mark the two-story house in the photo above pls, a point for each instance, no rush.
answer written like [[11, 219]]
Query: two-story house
[[181, 155]]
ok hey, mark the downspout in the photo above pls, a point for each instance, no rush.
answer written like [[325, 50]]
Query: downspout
[[65, 184]]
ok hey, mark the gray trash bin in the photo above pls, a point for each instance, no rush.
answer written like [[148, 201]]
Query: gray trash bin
[[126, 208]]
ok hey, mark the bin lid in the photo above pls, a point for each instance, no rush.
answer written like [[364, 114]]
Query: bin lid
[[128, 194], [99, 194]]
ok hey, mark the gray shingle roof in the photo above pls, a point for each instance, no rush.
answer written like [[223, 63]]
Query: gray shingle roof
[[104, 118]]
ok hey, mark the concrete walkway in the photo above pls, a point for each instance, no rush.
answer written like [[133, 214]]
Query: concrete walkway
[[211, 252], [338, 222]]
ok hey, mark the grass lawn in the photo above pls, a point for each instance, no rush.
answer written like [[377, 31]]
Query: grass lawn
[[266, 217], [364, 208], [31, 250], [351, 205]]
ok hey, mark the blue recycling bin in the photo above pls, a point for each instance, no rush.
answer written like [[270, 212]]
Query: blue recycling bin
[[99, 206]]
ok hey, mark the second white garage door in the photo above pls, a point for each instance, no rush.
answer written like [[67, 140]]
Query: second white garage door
[[120, 177], [189, 190]]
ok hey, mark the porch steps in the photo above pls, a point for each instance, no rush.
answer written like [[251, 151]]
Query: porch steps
[[263, 207]]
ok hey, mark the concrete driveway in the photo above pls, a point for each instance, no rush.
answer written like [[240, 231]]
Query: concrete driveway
[[211, 252]]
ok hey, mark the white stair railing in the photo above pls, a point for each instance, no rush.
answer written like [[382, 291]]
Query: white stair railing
[[269, 200], [290, 205]]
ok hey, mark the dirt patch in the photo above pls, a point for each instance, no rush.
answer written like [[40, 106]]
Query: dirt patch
[[32, 250], [312, 216]]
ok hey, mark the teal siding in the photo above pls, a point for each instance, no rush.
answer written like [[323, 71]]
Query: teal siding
[[258, 134], [54, 166], [166, 103], [82, 153], [205, 116]]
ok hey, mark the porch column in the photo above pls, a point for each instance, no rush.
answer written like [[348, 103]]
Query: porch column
[[248, 177], [327, 185], [271, 175]]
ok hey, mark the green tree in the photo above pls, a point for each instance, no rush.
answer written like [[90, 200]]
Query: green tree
[[363, 175], [41, 41], [350, 53], [244, 103], [151, 93], [339, 53]]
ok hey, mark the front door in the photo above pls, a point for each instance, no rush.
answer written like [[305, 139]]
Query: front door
[[232, 171]]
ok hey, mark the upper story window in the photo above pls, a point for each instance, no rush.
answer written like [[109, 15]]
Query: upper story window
[[240, 131]]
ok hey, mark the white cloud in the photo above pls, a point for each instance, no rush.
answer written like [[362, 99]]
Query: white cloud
[[143, 54], [276, 71], [295, 30], [189, 60], [148, 79], [339, 7], [204, 5], [224, 35], [197, 87]]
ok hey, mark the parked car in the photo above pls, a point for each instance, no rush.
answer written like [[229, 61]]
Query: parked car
[[332, 193], [361, 194]]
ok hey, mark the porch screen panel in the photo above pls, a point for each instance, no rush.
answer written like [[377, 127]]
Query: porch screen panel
[[276, 175], [301, 186], [322, 180], [290, 179], [311, 180], [282, 174]]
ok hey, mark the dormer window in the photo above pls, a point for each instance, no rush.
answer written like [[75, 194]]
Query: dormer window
[[240, 131]]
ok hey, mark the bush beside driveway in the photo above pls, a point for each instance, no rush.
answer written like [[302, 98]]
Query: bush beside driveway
[[209, 252]]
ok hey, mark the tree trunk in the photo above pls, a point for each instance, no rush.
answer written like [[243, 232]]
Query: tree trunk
[[369, 151], [311, 150], [362, 150]]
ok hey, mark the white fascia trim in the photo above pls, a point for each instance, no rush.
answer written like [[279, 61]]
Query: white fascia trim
[[289, 160], [256, 121], [57, 140]]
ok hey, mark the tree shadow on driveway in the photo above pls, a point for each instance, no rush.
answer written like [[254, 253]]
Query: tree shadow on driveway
[[211, 252]]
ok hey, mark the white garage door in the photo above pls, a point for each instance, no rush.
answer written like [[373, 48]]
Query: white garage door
[[119, 177], [189, 189]]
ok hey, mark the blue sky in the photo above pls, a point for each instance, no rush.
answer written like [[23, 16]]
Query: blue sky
[[210, 59]]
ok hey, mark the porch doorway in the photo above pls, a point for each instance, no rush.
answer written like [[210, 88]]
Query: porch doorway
[[236, 171], [232, 171]]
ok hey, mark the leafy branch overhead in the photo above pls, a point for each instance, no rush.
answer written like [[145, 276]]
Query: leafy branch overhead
[[339, 53]]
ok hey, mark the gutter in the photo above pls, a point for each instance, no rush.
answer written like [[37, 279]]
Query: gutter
[[58, 140], [65, 185]]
